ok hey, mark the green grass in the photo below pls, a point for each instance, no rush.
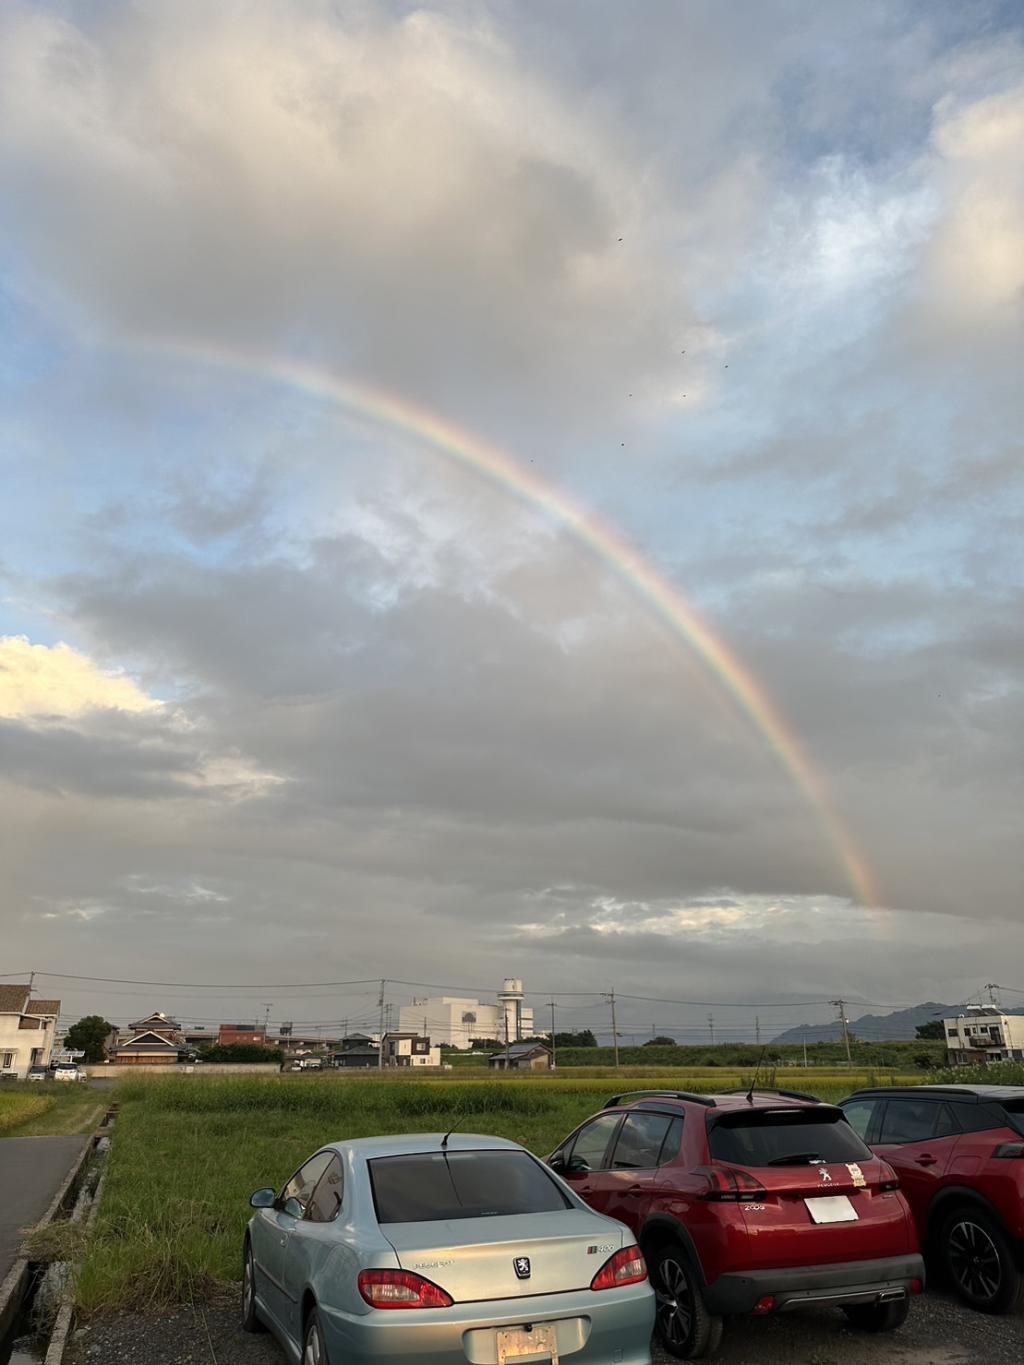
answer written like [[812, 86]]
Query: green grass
[[189, 1150]]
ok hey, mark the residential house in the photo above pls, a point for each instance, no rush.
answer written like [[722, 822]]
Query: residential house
[[984, 1034], [410, 1049], [521, 1057], [27, 1030], [158, 1022], [147, 1048], [361, 1055]]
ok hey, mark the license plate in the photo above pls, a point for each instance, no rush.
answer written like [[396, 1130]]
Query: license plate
[[514, 1342], [833, 1208]]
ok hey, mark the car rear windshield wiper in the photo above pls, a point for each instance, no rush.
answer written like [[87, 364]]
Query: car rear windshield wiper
[[796, 1159]]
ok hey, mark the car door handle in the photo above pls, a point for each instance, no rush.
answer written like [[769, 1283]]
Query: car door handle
[[925, 1159], [635, 1190]]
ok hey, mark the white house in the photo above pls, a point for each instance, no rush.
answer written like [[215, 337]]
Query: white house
[[410, 1049], [455, 1020], [984, 1034], [27, 1029]]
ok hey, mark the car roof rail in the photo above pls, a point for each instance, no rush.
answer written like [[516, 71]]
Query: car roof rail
[[707, 1100], [771, 1090]]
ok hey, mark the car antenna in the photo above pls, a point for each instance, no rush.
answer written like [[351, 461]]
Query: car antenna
[[444, 1140], [757, 1072]]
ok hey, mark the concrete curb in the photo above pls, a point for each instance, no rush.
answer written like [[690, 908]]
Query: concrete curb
[[13, 1288], [66, 1317]]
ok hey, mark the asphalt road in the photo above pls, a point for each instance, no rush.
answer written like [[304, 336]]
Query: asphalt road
[[939, 1331], [31, 1171]]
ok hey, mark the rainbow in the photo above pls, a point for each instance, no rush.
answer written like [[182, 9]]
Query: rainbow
[[664, 599]]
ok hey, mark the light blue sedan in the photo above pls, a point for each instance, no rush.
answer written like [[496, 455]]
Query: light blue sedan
[[442, 1250]]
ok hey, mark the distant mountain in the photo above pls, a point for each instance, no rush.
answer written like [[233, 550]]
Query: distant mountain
[[871, 1028]]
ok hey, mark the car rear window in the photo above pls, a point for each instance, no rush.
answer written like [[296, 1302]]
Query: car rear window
[[774, 1137], [432, 1186]]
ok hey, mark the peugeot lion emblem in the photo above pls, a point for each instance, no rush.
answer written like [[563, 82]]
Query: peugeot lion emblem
[[825, 1176], [522, 1265]]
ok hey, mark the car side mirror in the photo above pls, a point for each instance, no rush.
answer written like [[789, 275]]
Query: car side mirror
[[577, 1165], [263, 1199], [292, 1207], [557, 1163]]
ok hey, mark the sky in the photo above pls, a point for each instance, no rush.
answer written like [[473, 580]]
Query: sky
[[511, 490]]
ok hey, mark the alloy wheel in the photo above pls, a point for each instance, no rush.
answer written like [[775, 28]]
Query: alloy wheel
[[974, 1260], [674, 1303], [312, 1354]]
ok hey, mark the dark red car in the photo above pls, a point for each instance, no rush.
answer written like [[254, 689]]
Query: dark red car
[[959, 1153], [756, 1202]]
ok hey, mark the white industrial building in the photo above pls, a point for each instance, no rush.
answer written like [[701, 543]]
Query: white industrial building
[[456, 1021], [984, 1034]]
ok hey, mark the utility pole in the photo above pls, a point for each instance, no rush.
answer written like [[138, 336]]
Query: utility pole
[[992, 988], [505, 1013], [757, 1030], [553, 1053], [805, 1046], [31, 982], [711, 1028], [380, 1044], [266, 1019], [841, 1007], [615, 1031]]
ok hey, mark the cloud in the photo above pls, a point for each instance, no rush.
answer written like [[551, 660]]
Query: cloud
[[58, 681], [410, 725], [433, 211]]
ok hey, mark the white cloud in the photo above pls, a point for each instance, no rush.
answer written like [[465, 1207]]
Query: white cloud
[[56, 681]]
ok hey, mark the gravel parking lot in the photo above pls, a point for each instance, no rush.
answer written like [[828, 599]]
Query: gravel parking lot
[[938, 1332]]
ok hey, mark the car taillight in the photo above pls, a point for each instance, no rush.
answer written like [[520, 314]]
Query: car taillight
[[889, 1179], [730, 1185], [401, 1289], [1009, 1150], [625, 1267]]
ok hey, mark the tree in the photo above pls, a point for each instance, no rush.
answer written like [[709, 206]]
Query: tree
[[660, 1041], [923, 1061], [584, 1038], [933, 1029], [89, 1036]]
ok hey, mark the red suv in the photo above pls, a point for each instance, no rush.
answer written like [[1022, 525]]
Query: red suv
[[959, 1153], [747, 1202]]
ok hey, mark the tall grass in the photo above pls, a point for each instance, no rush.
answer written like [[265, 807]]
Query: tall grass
[[18, 1108]]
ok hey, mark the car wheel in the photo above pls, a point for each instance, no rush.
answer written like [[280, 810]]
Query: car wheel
[[314, 1352], [683, 1324], [250, 1319], [980, 1262], [879, 1317]]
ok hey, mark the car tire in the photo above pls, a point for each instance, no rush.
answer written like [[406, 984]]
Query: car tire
[[878, 1317], [250, 1318], [979, 1260], [682, 1323], [314, 1348]]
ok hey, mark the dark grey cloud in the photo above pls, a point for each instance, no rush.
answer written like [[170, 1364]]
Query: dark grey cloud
[[410, 727]]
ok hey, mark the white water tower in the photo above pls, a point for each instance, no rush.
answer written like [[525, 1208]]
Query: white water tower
[[510, 1000]]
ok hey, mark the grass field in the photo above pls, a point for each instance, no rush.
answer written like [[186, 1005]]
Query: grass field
[[188, 1151], [46, 1109], [17, 1108]]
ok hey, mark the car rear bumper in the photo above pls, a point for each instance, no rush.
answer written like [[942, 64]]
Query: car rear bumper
[[821, 1285], [594, 1328]]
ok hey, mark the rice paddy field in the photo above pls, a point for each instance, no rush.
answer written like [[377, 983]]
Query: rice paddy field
[[189, 1150], [18, 1108]]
